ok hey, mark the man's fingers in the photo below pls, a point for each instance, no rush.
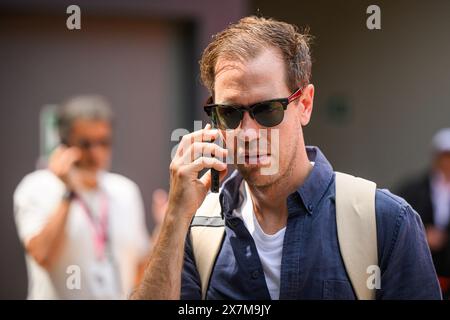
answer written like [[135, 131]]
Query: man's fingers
[[203, 149], [206, 178], [74, 154], [68, 157], [205, 162], [62, 159], [206, 134], [56, 153]]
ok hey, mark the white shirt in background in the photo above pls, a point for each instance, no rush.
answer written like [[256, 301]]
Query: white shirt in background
[[36, 198]]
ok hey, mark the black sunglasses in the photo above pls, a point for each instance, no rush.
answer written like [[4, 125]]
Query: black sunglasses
[[86, 144], [267, 113]]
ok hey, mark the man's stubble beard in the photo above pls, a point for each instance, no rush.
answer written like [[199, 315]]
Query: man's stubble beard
[[278, 179]]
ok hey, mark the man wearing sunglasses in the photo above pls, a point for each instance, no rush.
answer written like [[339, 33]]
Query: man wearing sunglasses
[[280, 239], [83, 227]]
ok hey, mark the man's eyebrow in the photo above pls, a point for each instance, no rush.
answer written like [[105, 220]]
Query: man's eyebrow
[[230, 101]]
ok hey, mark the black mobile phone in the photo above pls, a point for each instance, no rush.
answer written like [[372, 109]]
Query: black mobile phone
[[214, 172]]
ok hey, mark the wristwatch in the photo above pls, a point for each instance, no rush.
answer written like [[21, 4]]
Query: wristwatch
[[69, 195]]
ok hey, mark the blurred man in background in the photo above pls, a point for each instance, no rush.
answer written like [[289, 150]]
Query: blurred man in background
[[429, 194], [83, 228]]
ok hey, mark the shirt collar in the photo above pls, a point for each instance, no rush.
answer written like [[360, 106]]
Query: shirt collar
[[229, 195], [317, 182], [310, 192]]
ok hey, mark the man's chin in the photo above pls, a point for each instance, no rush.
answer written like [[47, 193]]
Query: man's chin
[[254, 176]]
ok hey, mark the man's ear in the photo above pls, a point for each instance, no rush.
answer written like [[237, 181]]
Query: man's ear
[[306, 101]]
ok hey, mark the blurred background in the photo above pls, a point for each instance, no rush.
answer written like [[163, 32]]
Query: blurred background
[[380, 94]]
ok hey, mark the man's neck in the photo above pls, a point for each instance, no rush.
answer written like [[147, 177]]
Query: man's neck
[[269, 203]]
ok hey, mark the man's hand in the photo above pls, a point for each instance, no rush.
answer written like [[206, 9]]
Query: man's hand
[[162, 279], [195, 153], [61, 163]]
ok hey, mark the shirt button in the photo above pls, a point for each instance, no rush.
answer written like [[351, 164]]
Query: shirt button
[[310, 207], [255, 274]]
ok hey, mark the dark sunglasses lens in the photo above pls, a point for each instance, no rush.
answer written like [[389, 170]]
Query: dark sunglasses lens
[[228, 118], [84, 144], [269, 114]]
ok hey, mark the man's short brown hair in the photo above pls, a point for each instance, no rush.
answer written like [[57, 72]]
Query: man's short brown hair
[[248, 37]]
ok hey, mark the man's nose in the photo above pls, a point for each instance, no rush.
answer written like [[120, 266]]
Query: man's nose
[[96, 151], [248, 129]]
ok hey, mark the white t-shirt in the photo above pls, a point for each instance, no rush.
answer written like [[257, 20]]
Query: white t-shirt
[[269, 247], [79, 273]]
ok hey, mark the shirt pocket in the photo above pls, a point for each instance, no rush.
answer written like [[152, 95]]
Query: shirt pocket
[[338, 290]]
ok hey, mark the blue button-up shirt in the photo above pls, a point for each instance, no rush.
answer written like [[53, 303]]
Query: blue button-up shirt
[[311, 264]]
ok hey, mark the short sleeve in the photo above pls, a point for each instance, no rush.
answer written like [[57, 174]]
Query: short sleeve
[[35, 198]]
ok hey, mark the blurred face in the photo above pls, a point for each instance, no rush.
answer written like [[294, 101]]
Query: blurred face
[[258, 150], [443, 164], [93, 138]]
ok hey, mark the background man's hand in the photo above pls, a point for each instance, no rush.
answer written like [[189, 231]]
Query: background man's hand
[[61, 163], [159, 205], [436, 238]]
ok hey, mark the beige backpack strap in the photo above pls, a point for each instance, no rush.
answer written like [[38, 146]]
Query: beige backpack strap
[[207, 231], [357, 230]]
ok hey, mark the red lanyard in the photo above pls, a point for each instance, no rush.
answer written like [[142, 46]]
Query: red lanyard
[[100, 229]]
